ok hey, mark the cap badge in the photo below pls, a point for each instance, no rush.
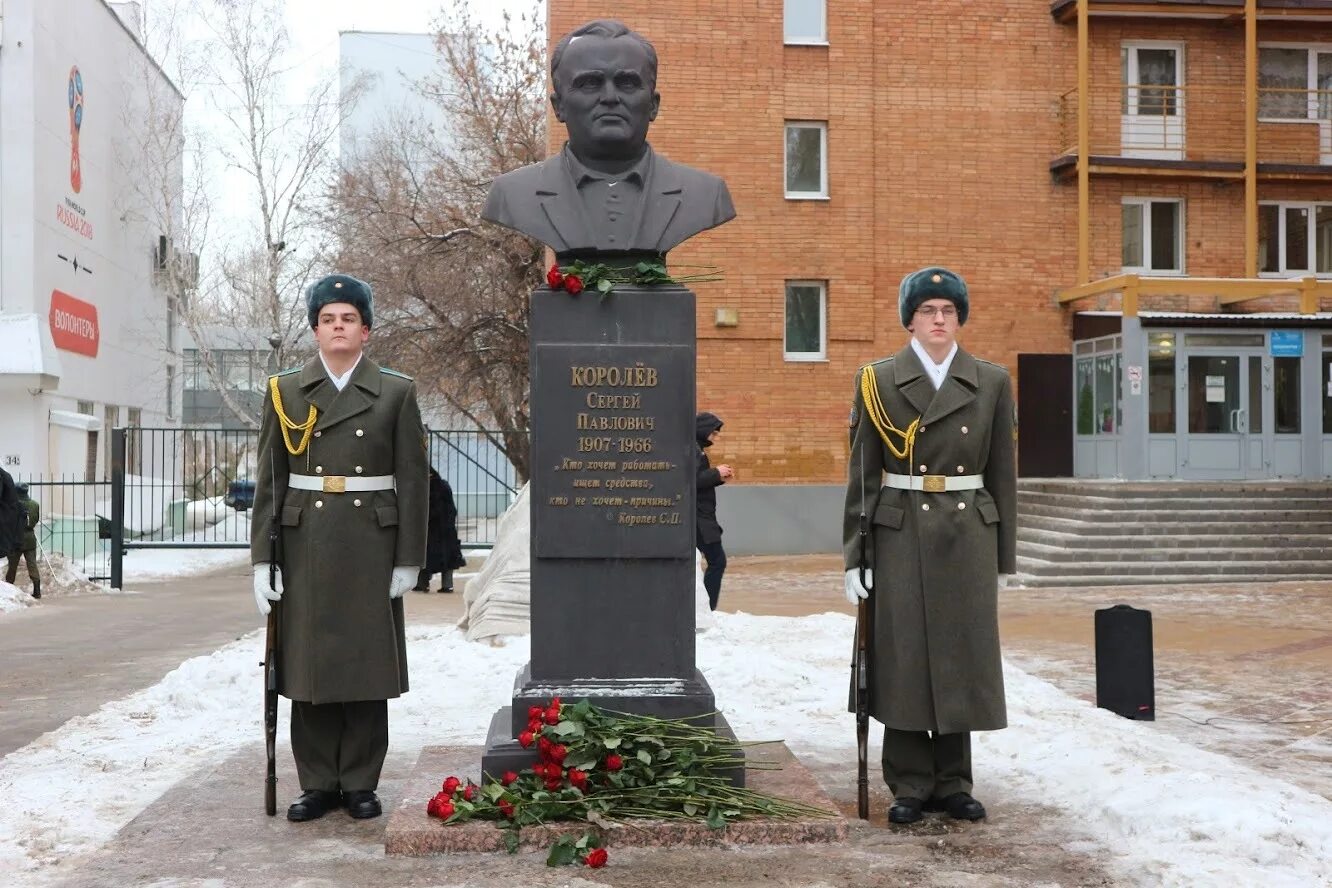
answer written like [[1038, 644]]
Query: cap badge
[[935, 279]]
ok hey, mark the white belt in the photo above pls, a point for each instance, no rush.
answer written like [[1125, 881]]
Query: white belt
[[935, 483], [340, 483]]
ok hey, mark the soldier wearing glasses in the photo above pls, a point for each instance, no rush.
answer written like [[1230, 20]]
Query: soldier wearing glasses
[[932, 466]]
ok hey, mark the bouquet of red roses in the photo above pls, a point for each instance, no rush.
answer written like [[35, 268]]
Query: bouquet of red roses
[[600, 766], [580, 276]]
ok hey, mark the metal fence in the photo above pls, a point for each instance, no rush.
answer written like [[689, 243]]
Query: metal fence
[[174, 488], [71, 535]]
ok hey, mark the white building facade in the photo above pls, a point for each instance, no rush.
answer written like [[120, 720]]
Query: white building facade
[[88, 201]]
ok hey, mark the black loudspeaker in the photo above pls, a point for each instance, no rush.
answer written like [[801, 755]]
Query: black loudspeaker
[[1125, 674]]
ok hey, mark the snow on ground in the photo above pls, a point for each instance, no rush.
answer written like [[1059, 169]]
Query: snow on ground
[[160, 564], [1154, 808], [12, 598]]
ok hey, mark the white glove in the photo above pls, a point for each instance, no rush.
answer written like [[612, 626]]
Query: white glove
[[403, 579], [855, 590], [262, 592]]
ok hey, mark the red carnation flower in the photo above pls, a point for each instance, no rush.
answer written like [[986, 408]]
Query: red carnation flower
[[525, 739], [555, 701], [505, 808], [470, 792], [553, 278], [553, 715], [544, 744], [558, 752], [554, 783], [451, 784], [444, 811], [578, 778], [573, 283], [534, 712], [509, 778], [596, 858], [535, 725], [614, 762]]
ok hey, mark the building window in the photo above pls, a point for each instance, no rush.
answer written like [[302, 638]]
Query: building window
[[805, 21], [1286, 394], [1295, 238], [1099, 387], [1161, 383], [1153, 236], [1327, 387], [170, 392], [86, 408], [806, 168], [806, 321], [1294, 83]]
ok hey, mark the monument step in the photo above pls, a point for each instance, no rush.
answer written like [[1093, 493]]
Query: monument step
[[1271, 569], [1151, 551], [1214, 528]]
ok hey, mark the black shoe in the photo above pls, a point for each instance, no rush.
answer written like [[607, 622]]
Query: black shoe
[[447, 589], [960, 806], [905, 810], [363, 803], [313, 804], [420, 588], [36, 588]]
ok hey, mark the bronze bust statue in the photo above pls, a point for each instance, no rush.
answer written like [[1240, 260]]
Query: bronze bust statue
[[607, 193]]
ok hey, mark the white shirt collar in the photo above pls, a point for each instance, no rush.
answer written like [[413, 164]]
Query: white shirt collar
[[937, 372], [340, 382]]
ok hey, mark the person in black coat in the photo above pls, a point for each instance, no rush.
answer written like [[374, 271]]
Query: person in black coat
[[443, 548], [11, 530], [708, 531]]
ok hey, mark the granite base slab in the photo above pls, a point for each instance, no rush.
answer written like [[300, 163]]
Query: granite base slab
[[410, 832]]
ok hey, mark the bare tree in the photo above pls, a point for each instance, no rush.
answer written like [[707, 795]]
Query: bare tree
[[452, 291]]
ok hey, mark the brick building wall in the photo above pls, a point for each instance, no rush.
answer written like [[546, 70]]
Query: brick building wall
[[942, 119]]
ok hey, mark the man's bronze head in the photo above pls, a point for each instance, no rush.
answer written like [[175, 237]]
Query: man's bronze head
[[604, 79]]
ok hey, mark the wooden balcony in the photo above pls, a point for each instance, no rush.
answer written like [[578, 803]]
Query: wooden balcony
[[1128, 292], [1197, 131], [1229, 11]]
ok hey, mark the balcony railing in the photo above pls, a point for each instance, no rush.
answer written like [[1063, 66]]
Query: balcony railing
[[1200, 123]]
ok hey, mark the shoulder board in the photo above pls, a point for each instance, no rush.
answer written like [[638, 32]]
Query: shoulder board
[[287, 372], [395, 373], [992, 364], [886, 360]]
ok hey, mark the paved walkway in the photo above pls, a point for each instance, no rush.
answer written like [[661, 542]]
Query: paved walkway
[[1257, 656]]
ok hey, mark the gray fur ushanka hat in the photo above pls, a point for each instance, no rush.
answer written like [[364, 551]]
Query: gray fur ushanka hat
[[340, 288]]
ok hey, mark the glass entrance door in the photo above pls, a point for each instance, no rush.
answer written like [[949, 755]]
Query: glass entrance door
[[1227, 417]]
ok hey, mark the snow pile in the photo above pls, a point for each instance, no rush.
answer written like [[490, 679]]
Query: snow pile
[[12, 598]]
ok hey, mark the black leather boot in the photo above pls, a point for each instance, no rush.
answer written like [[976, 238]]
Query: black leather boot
[[37, 588], [313, 804], [363, 803], [905, 810]]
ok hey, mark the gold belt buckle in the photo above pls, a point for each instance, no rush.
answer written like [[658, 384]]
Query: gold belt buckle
[[934, 483], [338, 484]]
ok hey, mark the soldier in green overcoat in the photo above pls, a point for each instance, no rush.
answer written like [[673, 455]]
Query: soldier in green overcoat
[[932, 468], [342, 465]]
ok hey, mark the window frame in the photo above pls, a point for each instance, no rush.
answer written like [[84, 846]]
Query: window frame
[[822, 127], [788, 40], [1311, 237], [822, 353], [1181, 238], [1130, 77], [1312, 99]]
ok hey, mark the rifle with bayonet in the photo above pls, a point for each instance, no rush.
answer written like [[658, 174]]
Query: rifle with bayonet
[[272, 652], [860, 664]]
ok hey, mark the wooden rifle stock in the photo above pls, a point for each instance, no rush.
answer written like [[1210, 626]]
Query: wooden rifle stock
[[861, 676], [272, 654]]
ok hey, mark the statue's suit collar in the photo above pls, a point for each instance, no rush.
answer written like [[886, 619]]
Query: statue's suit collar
[[557, 190]]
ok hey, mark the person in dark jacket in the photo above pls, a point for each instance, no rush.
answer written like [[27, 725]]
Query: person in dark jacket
[[708, 531], [11, 524], [31, 515], [443, 548]]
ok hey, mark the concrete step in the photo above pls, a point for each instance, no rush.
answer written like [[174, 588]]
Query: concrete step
[[1272, 569], [1167, 489], [1111, 503], [1239, 541], [1149, 553], [1218, 526], [1085, 580], [1171, 516]]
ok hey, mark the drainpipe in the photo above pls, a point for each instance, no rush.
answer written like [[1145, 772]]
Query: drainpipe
[[1251, 138]]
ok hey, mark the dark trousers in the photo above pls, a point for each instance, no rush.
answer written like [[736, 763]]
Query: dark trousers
[[339, 746], [30, 556], [715, 558], [921, 765], [445, 579]]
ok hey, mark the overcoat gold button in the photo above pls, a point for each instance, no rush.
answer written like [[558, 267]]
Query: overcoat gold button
[[959, 470], [319, 469], [924, 507], [319, 504], [961, 506], [360, 432], [922, 467], [356, 502], [319, 434], [964, 430], [358, 470]]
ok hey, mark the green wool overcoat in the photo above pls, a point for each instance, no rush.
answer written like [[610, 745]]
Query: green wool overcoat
[[934, 649], [342, 636]]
